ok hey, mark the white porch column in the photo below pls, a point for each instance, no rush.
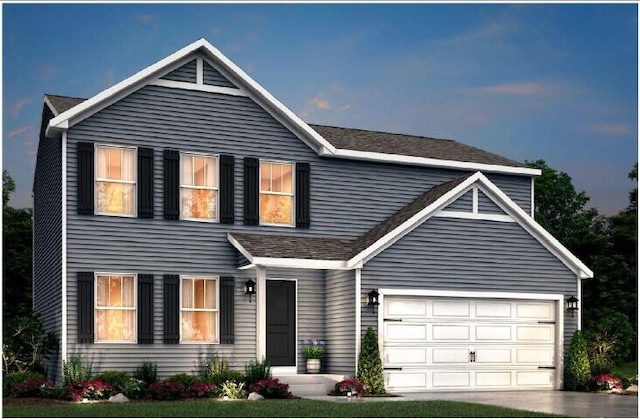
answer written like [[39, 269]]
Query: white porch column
[[261, 312]]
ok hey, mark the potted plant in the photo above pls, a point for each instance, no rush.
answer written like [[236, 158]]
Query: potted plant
[[313, 351]]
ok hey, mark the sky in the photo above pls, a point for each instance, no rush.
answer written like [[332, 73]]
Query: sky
[[557, 82]]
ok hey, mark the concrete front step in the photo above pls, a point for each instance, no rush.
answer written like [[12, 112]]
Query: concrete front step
[[310, 384]]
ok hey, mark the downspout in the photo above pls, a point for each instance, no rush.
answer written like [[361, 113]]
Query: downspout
[[358, 312], [63, 340]]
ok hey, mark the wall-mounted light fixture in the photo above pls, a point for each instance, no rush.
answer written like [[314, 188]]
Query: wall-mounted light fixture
[[373, 300], [572, 305], [250, 288]]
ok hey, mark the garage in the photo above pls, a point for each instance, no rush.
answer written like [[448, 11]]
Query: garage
[[451, 342]]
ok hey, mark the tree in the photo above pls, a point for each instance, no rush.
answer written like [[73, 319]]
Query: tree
[[370, 364], [16, 254], [577, 370]]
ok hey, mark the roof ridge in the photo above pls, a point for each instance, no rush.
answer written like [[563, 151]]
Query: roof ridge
[[65, 97], [384, 132]]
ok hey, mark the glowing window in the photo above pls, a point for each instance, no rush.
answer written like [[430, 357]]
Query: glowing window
[[198, 187], [199, 310], [115, 308], [276, 193], [115, 180]]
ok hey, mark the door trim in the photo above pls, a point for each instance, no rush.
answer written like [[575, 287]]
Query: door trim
[[293, 369], [558, 298]]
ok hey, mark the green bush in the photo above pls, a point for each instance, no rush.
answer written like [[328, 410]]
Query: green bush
[[212, 367], [14, 379], [76, 370], [255, 371], [233, 390], [118, 379], [577, 370], [185, 379], [610, 337], [147, 372], [25, 344], [228, 375], [370, 365]]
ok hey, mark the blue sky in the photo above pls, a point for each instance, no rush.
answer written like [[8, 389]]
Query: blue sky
[[547, 81]]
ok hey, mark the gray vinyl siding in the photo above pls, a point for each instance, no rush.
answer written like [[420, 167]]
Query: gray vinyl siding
[[464, 203], [186, 73], [340, 322], [213, 77], [469, 255], [487, 206], [310, 306], [47, 243], [518, 188]]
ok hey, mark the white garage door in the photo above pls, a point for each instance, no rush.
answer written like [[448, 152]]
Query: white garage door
[[468, 344]]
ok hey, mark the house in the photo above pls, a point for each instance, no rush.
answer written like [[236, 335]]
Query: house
[[158, 199]]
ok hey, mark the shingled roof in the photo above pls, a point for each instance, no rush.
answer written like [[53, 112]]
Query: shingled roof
[[327, 248], [63, 103]]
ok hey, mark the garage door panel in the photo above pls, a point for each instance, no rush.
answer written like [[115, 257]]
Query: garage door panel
[[405, 332], [493, 356], [534, 378], [541, 333], [405, 308], [405, 356], [406, 380], [537, 311], [493, 310], [450, 356], [493, 379], [457, 379], [494, 332], [447, 308], [536, 356], [451, 332]]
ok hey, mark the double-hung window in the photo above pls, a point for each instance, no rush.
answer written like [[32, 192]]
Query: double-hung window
[[116, 180], [199, 187], [199, 309], [115, 307], [276, 193]]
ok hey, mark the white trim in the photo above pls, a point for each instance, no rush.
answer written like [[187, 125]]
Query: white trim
[[579, 297], [559, 375], [240, 248], [300, 263], [291, 194], [289, 369], [216, 188], [64, 314], [358, 311], [134, 309], [470, 294], [97, 179], [533, 207], [216, 310], [474, 216], [199, 71], [172, 84], [431, 162], [261, 312], [474, 202], [50, 105]]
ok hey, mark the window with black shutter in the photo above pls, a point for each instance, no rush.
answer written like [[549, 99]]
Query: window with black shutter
[[85, 307], [145, 308], [227, 208], [145, 182], [85, 178], [227, 310], [303, 198], [171, 309], [171, 184], [251, 190]]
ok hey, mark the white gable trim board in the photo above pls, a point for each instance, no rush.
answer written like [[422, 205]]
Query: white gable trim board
[[459, 340]]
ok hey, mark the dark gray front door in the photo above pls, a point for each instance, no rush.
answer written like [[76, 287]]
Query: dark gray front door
[[281, 323]]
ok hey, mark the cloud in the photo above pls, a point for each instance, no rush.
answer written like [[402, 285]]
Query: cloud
[[327, 99], [320, 103], [148, 20], [26, 135], [611, 129], [518, 89], [45, 72], [17, 106], [19, 131]]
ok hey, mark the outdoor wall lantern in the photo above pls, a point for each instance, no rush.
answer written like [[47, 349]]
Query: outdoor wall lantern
[[572, 305], [250, 288], [373, 300]]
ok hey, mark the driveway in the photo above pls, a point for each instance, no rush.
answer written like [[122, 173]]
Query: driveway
[[566, 403]]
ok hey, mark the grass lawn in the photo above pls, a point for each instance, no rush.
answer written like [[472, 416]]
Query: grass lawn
[[268, 408], [628, 370]]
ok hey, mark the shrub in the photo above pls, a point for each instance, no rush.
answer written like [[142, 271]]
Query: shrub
[[117, 379], [134, 388], [228, 375], [11, 381], [202, 390], [271, 389], [76, 370], [25, 344], [610, 337], [348, 385], [255, 371], [185, 379], [576, 370], [92, 390], [233, 390], [214, 366], [370, 365], [166, 390], [31, 388], [147, 372]]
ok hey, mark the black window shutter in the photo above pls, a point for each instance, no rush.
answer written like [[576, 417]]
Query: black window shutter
[[227, 310], [145, 182], [145, 308], [251, 191], [303, 201], [85, 178], [171, 184], [171, 309], [85, 307], [226, 189]]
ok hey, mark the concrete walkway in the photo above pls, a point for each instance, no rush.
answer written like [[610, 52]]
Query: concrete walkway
[[566, 403]]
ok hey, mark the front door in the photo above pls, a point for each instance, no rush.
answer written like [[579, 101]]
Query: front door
[[281, 323]]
